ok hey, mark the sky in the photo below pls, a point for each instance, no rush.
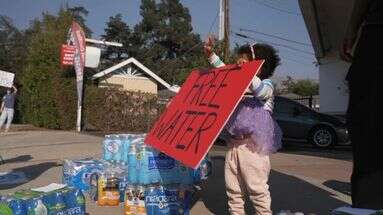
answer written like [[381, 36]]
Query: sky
[[281, 18]]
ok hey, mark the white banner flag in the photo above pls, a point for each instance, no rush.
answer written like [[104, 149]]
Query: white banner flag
[[6, 79]]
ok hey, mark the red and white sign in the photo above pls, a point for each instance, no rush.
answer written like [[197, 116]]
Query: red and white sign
[[67, 55], [197, 114], [77, 37]]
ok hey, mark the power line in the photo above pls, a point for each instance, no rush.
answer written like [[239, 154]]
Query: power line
[[214, 21], [276, 8], [283, 57], [274, 36], [299, 62], [276, 44]]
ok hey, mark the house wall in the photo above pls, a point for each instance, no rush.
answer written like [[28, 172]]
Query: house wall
[[131, 83], [326, 22], [333, 90]]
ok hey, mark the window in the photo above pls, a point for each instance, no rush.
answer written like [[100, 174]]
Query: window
[[284, 106]]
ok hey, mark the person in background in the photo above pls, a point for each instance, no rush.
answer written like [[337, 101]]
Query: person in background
[[8, 108], [364, 115]]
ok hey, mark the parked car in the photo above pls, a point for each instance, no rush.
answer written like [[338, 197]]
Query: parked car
[[299, 122]]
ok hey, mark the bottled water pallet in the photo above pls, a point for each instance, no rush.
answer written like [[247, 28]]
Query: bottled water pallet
[[147, 181], [58, 202], [145, 165]]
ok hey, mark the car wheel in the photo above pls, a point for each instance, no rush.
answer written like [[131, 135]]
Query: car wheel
[[322, 137]]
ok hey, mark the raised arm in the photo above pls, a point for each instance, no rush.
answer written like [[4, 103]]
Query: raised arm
[[214, 59], [14, 89]]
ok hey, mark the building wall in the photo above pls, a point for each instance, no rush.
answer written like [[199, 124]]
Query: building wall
[[327, 21], [333, 90], [131, 83]]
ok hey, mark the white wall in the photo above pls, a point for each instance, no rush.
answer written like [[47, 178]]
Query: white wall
[[333, 90]]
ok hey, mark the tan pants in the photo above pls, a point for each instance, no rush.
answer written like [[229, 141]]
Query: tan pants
[[247, 172]]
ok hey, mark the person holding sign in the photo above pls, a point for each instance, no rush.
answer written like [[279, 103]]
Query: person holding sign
[[8, 108], [252, 132]]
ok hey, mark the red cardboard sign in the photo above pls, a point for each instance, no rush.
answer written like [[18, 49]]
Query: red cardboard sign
[[197, 114], [67, 55]]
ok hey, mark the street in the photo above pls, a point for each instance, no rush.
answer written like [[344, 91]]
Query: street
[[302, 178]]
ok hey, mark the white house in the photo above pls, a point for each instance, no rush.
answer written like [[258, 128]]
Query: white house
[[131, 75], [326, 21]]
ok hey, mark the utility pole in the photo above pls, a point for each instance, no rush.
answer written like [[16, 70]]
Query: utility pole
[[221, 27], [226, 40]]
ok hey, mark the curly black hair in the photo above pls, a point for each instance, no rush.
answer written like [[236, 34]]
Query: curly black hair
[[262, 51]]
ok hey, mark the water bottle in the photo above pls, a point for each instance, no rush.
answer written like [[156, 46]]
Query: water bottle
[[130, 207], [184, 200], [154, 172], [122, 186], [108, 154], [185, 174], [132, 164], [112, 191], [125, 148], [137, 140], [118, 155], [163, 203], [30, 205], [75, 201], [206, 168], [143, 163], [40, 208], [172, 193], [151, 200], [55, 202], [93, 184], [140, 201], [17, 206], [168, 168]]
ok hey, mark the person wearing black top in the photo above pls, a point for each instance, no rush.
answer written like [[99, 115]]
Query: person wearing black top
[[364, 117]]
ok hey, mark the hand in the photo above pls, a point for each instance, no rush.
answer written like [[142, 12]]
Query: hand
[[346, 50], [208, 46], [167, 104]]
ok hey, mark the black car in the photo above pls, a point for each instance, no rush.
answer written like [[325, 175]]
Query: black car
[[299, 122]]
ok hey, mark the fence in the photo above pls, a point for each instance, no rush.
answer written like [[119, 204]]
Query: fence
[[308, 101]]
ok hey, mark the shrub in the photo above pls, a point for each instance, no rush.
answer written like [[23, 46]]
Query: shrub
[[115, 110]]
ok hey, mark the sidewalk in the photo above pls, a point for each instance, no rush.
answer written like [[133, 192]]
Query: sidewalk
[[300, 181]]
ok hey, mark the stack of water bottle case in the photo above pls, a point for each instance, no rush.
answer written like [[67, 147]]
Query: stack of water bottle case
[[60, 200], [145, 180]]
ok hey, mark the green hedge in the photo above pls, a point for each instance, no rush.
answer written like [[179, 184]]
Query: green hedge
[[107, 110], [115, 110]]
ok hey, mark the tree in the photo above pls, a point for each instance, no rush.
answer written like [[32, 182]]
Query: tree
[[13, 45], [48, 95], [304, 87], [78, 14], [169, 46], [117, 31]]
